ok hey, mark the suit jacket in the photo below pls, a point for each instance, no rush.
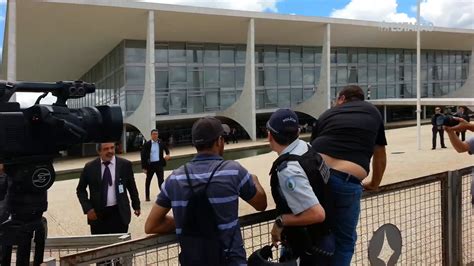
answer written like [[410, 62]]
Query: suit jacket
[[145, 154], [91, 177]]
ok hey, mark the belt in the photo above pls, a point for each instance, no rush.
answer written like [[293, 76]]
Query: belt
[[345, 176]]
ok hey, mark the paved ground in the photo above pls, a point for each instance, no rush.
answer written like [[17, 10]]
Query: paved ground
[[405, 162]]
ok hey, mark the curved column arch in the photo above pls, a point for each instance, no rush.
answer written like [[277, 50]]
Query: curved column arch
[[467, 90], [243, 110], [144, 117], [320, 101]]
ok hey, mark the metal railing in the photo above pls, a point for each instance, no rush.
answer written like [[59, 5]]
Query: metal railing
[[434, 214], [56, 247]]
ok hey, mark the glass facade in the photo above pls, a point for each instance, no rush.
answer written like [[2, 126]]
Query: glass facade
[[205, 77], [285, 75], [109, 77], [391, 73]]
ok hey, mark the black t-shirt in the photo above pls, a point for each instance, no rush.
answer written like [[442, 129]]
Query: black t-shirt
[[350, 132]]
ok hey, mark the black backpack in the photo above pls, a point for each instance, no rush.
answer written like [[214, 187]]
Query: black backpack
[[199, 240]]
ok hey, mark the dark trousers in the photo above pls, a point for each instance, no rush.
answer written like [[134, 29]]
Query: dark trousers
[[108, 222], [463, 135], [441, 136], [153, 168]]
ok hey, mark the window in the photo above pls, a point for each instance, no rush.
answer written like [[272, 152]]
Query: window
[[270, 76], [270, 54], [353, 75], [135, 76], [240, 54], [308, 55], [227, 77], [177, 74], [195, 54], [240, 76], [161, 80], [362, 58], [177, 53], [211, 54], [227, 55], [362, 74], [341, 75], [341, 55], [284, 55], [283, 77], [211, 77], [195, 77], [308, 76], [161, 54], [352, 55], [296, 76], [295, 55]]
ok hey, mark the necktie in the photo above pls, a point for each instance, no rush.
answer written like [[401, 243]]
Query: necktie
[[106, 182]]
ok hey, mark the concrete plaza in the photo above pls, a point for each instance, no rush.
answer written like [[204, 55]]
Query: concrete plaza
[[405, 161]]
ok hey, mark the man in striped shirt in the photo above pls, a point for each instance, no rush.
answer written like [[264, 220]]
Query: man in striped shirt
[[230, 181]]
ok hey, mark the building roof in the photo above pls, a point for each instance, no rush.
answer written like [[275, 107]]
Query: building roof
[[62, 39]]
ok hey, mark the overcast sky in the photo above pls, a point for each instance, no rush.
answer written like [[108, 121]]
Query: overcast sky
[[442, 13]]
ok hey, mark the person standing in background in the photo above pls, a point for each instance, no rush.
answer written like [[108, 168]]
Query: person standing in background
[[153, 161], [437, 122]]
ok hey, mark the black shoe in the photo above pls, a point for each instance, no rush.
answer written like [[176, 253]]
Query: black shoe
[[444, 147], [148, 199], [433, 148]]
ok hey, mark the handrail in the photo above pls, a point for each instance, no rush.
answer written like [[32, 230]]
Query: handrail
[[91, 241], [131, 247]]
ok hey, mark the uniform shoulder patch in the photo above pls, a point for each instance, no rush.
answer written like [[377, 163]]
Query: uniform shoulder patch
[[290, 184]]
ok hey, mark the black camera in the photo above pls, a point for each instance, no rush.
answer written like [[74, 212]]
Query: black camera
[[47, 129], [29, 141], [449, 121]]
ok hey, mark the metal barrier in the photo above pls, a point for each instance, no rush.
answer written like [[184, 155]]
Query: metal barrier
[[434, 214], [56, 247]]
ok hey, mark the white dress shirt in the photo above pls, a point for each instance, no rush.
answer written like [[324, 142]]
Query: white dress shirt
[[111, 197]]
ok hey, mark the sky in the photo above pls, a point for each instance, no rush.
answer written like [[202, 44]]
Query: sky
[[441, 13]]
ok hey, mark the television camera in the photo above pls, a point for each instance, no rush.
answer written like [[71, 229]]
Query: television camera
[[30, 139]]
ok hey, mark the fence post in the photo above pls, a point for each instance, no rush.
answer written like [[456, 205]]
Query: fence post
[[454, 218]]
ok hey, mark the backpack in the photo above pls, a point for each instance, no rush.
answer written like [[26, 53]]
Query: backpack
[[317, 237], [199, 239]]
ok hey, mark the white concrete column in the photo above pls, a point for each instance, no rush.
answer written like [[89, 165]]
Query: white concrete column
[[328, 62], [144, 117], [124, 139], [418, 81], [320, 101], [243, 111], [11, 45]]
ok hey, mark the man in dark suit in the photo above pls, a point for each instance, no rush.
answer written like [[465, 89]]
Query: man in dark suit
[[107, 206], [153, 161]]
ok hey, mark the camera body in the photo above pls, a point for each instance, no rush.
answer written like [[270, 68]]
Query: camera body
[[29, 140], [449, 121], [46, 129]]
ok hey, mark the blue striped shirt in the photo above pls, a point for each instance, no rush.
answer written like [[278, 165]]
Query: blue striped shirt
[[230, 182]]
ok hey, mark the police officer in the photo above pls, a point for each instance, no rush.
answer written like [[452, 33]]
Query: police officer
[[296, 201]]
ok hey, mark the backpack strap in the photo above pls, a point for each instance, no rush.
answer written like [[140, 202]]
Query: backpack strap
[[212, 175], [208, 182]]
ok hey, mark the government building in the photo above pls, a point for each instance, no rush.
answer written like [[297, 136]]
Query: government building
[[168, 65]]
